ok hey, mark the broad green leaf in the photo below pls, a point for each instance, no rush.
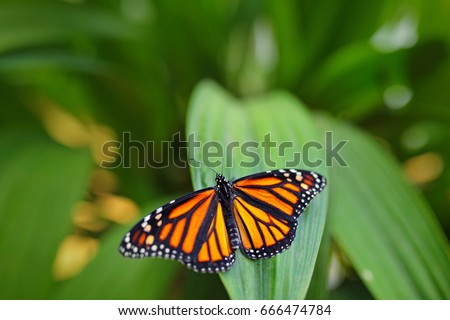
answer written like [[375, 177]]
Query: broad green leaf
[[40, 182], [33, 62], [46, 24], [111, 276], [217, 118], [383, 225], [290, 38], [318, 290]]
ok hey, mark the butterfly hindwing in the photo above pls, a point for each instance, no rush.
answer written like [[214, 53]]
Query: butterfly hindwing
[[267, 206], [190, 229]]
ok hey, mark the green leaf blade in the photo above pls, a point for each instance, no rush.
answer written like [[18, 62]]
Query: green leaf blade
[[377, 209], [34, 214], [215, 116]]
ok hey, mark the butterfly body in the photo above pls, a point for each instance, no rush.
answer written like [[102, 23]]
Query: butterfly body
[[257, 214], [226, 193]]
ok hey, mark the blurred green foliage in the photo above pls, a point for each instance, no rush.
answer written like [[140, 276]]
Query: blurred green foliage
[[76, 73]]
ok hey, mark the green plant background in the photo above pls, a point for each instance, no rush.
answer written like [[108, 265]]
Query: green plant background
[[75, 74]]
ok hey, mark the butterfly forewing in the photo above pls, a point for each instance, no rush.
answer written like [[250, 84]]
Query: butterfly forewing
[[190, 229], [267, 206]]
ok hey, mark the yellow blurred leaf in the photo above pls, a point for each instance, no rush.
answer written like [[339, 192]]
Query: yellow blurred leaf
[[103, 181], [74, 253], [70, 131], [424, 168], [118, 209], [85, 216]]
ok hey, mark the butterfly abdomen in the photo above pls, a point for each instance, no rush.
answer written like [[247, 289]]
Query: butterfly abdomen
[[224, 190], [233, 231]]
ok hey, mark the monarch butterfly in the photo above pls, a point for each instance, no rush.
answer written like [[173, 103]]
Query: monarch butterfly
[[257, 213]]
